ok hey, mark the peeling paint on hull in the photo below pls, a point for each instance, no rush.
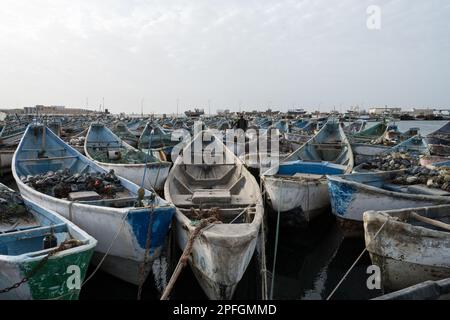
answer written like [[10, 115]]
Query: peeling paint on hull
[[407, 254]]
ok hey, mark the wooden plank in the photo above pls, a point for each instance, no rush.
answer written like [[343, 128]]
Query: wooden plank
[[211, 195]]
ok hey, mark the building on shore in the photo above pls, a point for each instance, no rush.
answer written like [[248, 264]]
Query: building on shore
[[55, 110], [384, 111], [422, 112]]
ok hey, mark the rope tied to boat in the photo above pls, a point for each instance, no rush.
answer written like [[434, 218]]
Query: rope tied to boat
[[144, 263], [204, 223], [65, 245], [356, 261]]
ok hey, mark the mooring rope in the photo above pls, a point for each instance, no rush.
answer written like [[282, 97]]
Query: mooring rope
[[204, 224], [356, 261], [276, 242], [146, 158], [101, 260]]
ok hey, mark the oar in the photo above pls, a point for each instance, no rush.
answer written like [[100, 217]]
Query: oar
[[433, 222]]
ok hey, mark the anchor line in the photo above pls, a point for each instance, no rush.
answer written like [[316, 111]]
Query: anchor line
[[204, 225], [356, 261], [276, 243], [104, 256], [65, 245]]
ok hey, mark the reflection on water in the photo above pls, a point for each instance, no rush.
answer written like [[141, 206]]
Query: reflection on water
[[313, 259]]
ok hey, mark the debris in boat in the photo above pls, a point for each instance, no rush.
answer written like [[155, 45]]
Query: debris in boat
[[77, 142], [61, 183], [123, 155], [12, 208], [433, 178], [200, 214], [392, 161]]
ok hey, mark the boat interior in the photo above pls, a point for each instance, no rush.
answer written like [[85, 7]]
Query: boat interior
[[104, 146], [41, 153], [327, 146], [436, 213], [160, 138], [197, 188], [386, 181], [25, 233], [369, 134]]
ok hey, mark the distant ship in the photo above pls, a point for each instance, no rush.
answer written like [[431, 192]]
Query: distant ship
[[195, 113], [296, 111]]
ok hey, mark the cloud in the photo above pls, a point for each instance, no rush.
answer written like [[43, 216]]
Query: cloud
[[304, 52]]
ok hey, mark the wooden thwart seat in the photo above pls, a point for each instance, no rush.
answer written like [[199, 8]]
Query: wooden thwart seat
[[211, 195]]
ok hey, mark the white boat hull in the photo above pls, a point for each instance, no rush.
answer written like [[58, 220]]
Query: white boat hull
[[406, 254], [102, 223], [309, 198], [218, 261], [350, 203], [155, 176]]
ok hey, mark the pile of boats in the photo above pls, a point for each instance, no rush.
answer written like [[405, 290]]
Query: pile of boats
[[109, 192]]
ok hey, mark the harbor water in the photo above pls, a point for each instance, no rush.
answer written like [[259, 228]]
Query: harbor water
[[311, 260]]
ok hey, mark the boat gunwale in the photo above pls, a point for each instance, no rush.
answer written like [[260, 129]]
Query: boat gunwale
[[158, 162], [372, 189], [210, 233]]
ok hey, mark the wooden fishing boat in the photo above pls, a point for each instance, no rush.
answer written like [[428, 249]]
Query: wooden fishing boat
[[136, 127], [391, 140], [415, 145], [355, 127], [224, 190], [121, 130], [110, 152], [12, 133], [299, 183], [439, 141], [412, 246], [353, 194], [428, 160], [28, 234], [157, 140], [428, 290], [6, 155], [77, 141], [369, 134], [119, 223]]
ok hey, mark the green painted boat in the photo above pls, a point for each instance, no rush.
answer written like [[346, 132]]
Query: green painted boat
[[45, 255], [369, 134]]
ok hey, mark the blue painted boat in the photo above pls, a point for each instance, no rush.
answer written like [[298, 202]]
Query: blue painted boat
[[110, 152], [28, 233], [281, 125], [299, 182], [355, 127], [158, 140], [12, 133], [121, 130], [119, 223], [136, 126], [353, 194], [415, 146], [366, 146]]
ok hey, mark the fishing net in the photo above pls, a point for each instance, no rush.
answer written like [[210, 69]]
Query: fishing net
[[61, 183]]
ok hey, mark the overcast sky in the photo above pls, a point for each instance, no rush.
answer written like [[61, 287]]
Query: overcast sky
[[308, 53]]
